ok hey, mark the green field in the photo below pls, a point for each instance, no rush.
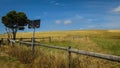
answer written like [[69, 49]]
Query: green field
[[100, 41]]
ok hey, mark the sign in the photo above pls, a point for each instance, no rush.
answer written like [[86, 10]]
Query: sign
[[34, 24], [21, 27]]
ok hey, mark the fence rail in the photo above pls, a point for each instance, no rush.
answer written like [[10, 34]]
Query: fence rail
[[70, 50]]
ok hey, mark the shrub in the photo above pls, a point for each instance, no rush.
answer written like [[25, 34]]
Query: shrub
[[23, 55]]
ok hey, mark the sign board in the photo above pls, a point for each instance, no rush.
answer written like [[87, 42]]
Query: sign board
[[34, 24], [21, 27]]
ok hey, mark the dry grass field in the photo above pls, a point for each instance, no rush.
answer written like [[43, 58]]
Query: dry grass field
[[100, 41]]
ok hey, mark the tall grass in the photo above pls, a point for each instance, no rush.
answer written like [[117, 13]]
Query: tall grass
[[97, 41], [110, 45], [50, 59], [24, 55]]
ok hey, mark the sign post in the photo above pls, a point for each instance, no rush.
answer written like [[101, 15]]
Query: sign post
[[33, 40], [33, 24]]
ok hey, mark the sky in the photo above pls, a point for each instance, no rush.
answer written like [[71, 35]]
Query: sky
[[66, 14]]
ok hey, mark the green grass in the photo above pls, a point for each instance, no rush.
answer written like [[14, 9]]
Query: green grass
[[110, 45], [7, 58]]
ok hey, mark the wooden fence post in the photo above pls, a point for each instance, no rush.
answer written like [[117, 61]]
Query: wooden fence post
[[20, 41], [69, 57], [0, 42], [8, 40], [31, 39], [50, 39], [11, 43]]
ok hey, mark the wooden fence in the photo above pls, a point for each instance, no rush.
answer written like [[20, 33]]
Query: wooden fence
[[49, 39], [71, 50]]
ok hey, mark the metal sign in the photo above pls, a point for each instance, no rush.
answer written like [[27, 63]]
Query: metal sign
[[34, 24], [21, 27]]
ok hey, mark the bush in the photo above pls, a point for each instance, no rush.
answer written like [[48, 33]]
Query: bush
[[23, 55]]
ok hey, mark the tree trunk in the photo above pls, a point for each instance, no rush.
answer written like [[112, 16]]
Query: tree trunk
[[14, 31], [8, 33], [14, 35]]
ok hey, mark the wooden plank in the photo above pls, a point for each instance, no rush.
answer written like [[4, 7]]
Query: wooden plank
[[50, 46], [92, 54], [97, 55], [87, 53]]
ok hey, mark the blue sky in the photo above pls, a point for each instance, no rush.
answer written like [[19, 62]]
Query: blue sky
[[66, 14]]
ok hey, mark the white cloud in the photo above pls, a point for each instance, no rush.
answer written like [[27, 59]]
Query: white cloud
[[57, 3], [90, 20], [78, 16], [83, 19], [117, 9], [93, 20], [58, 21], [45, 13], [66, 22], [81, 28]]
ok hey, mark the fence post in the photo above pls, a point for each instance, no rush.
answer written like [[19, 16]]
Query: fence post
[[11, 43], [8, 40], [69, 57], [49, 39], [0, 42], [20, 41], [31, 39]]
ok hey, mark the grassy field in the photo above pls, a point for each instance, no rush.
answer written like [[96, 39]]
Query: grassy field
[[100, 41]]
